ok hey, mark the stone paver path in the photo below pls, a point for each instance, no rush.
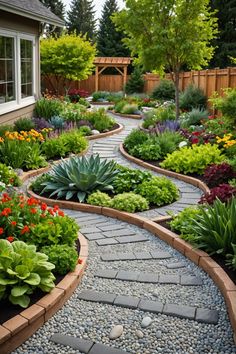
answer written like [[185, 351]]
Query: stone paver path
[[160, 301]]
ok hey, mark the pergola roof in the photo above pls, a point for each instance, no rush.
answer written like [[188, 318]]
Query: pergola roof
[[112, 61]]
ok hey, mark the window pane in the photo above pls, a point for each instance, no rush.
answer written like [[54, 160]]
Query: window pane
[[7, 69], [26, 50]]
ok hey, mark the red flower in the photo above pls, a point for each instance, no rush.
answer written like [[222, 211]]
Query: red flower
[[211, 117], [33, 211], [195, 141], [60, 213], [1, 230], [25, 230], [80, 261], [196, 133], [10, 238], [51, 211], [32, 201], [5, 198], [44, 206], [13, 223], [6, 212]]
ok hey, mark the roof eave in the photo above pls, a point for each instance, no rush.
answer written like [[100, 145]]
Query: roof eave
[[24, 13]]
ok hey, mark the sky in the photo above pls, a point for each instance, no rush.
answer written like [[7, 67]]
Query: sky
[[98, 5]]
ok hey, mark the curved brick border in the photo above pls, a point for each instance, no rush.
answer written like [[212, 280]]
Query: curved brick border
[[104, 135], [19, 328], [133, 116], [201, 258], [194, 181]]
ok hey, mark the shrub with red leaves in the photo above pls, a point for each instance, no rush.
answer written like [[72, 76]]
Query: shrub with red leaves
[[218, 173], [223, 192], [75, 94]]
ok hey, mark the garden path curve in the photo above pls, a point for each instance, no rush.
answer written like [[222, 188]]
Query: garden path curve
[[133, 275]]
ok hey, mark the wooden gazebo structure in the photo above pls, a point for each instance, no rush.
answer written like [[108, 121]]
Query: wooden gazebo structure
[[119, 63]]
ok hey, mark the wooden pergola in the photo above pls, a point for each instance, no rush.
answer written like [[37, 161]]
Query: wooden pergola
[[120, 64]]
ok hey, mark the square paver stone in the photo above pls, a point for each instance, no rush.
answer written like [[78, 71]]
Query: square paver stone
[[127, 275], [104, 349], [110, 257], [131, 239], [143, 255], [151, 306], [127, 301], [160, 255], [93, 237], [148, 278], [169, 279], [175, 265], [80, 344], [190, 280], [117, 233], [89, 230], [94, 296], [129, 256], [207, 316], [106, 242], [110, 227], [180, 311], [106, 273]]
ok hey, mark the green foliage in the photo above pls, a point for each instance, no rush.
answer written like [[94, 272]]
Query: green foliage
[[120, 105], [64, 258], [129, 202], [216, 226], [8, 176], [192, 97], [25, 124], [99, 198], [74, 141], [136, 81], [79, 176], [168, 142], [57, 122], [193, 159], [100, 120], [130, 109], [22, 270], [183, 223], [164, 91], [67, 57], [194, 117], [47, 108], [5, 128], [226, 104], [136, 137], [158, 115], [158, 191], [232, 182], [54, 148], [36, 185], [127, 179], [58, 8], [85, 130], [100, 96], [231, 258], [149, 150]]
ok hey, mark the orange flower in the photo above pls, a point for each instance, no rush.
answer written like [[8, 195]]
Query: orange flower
[[6, 212], [33, 211], [25, 230], [44, 206], [13, 223], [32, 201], [60, 213]]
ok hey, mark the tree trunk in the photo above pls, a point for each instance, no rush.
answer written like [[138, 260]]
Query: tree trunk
[[176, 81]]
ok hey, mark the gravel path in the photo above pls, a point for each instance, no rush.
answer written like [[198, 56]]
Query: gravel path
[[94, 320]]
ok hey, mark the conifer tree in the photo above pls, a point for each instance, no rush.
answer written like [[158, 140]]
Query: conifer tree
[[136, 82], [81, 18], [58, 8], [109, 41]]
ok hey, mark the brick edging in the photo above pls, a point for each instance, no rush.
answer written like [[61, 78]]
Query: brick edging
[[191, 180], [104, 135], [133, 116], [19, 328]]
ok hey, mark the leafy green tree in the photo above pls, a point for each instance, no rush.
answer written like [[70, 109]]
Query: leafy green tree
[[58, 8], [109, 40], [67, 57], [136, 82], [167, 34], [226, 41], [81, 18]]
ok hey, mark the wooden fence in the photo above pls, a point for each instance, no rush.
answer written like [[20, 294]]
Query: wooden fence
[[208, 80]]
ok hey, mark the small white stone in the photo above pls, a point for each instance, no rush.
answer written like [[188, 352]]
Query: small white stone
[[139, 334], [116, 332], [95, 132], [146, 322]]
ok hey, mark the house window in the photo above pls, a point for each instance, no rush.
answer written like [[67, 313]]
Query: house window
[[17, 70]]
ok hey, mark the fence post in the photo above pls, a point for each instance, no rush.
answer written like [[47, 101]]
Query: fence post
[[206, 82], [228, 77]]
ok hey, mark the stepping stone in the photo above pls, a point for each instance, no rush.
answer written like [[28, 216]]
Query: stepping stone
[[110, 257], [160, 255], [143, 255], [131, 239], [89, 230], [181, 311], [151, 306], [127, 301], [127, 275], [175, 265], [93, 237], [169, 279], [207, 316], [104, 349], [117, 233], [106, 241], [80, 344], [146, 322], [116, 332], [106, 273], [110, 227], [148, 278], [94, 296], [190, 280]]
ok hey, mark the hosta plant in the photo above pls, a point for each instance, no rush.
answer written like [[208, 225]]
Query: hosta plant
[[129, 202], [79, 176], [22, 270]]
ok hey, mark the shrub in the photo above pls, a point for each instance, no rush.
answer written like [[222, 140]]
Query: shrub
[[218, 174], [164, 91], [8, 176], [100, 120], [136, 137], [130, 109], [127, 179], [194, 117], [99, 198], [217, 125], [36, 185], [100, 96], [54, 148], [79, 176], [57, 122], [223, 192], [183, 222], [192, 97], [120, 105], [149, 150], [158, 191], [22, 270], [226, 104], [5, 128], [136, 81], [41, 123], [129, 202], [193, 159], [25, 124], [63, 257], [85, 130], [167, 125], [168, 142], [74, 141], [47, 108]]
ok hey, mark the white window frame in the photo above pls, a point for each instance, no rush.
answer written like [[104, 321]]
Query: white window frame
[[19, 102]]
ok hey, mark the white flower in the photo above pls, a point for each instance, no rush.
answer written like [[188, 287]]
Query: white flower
[[183, 143]]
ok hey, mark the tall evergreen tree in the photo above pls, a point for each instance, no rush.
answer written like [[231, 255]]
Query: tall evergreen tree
[[58, 8], [81, 18], [226, 41], [109, 41]]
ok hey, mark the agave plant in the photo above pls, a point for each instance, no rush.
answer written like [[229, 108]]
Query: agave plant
[[80, 176]]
